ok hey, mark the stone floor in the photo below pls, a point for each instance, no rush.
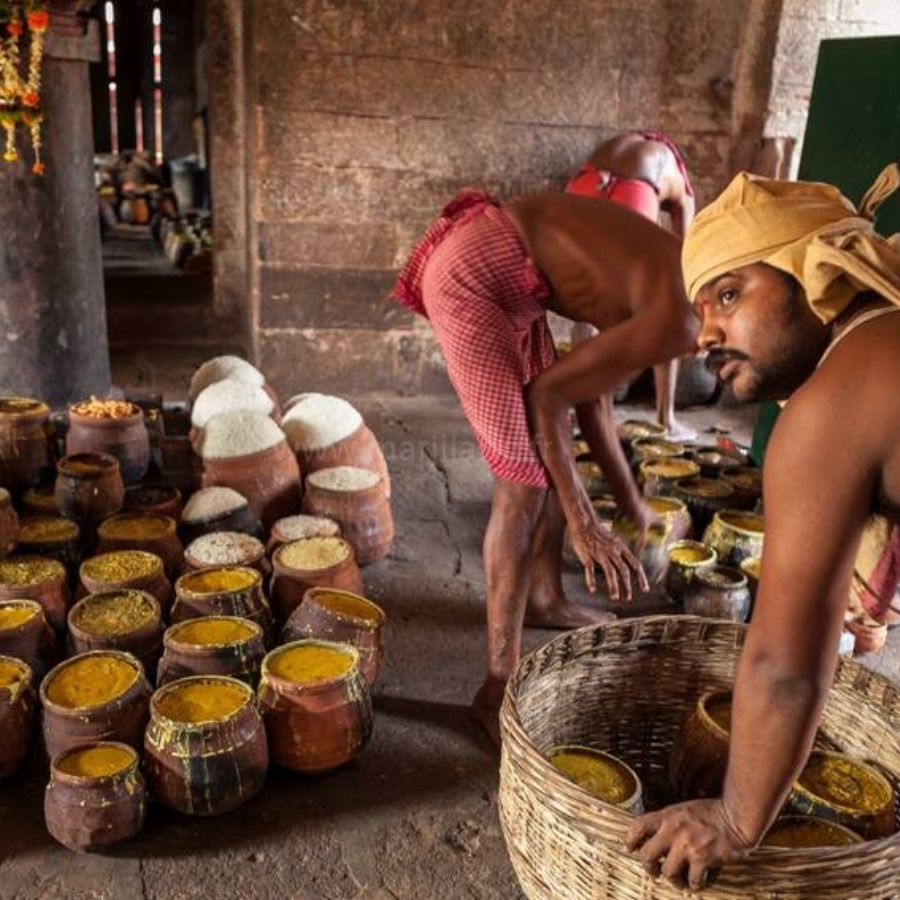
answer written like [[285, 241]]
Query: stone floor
[[416, 816]]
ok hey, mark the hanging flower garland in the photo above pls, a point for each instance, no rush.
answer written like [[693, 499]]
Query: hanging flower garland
[[20, 89]]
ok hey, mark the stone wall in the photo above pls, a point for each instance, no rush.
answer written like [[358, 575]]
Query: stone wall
[[368, 116]]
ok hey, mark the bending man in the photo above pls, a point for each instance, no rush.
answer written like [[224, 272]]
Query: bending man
[[800, 299], [485, 277]]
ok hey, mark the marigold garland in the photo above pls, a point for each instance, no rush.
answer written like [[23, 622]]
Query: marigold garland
[[21, 22]]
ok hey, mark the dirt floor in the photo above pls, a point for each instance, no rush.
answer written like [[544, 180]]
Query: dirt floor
[[416, 816]]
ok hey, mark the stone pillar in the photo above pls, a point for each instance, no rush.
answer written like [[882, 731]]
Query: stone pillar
[[52, 308]]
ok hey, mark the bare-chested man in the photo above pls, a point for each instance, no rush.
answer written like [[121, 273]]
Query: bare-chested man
[[485, 277], [800, 299], [645, 172]]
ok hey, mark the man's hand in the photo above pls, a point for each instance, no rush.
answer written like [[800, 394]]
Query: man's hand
[[687, 842], [594, 545], [640, 516]]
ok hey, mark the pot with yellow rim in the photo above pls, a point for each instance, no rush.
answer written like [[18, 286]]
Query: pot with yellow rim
[[805, 832], [120, 570], [52, 536], [657, 475], [17, 708], [674, 514], [37, 578], [150, 532], [25, 634], [735, 535], [601, 775], [704, 497], [655, 448], [685, 559]]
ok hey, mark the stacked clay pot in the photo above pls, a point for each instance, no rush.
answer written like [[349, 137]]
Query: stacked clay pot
[[17, 707], [25, 442], [122, 436], [355, 499], [205, 748], [96, 796], [326, 432]]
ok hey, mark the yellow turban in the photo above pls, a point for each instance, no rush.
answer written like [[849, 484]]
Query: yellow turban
[[805, 228]]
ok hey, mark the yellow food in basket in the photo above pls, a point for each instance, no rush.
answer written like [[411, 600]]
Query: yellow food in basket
[[841, 781], [96, 762], [798, 833], [91, 680], [600, 775], [310, 664], [202, 701]]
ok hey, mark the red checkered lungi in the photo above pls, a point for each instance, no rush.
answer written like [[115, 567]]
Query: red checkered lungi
[[472, 278]]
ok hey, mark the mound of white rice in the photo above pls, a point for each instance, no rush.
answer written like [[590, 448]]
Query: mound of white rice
[[229, 395], [237, 434], [224, 548], [220, 367], [295, 528], [314, 421], [344, 478], [210, 503]]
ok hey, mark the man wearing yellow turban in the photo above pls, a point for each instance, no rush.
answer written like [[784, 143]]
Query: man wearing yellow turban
[[799, 298]]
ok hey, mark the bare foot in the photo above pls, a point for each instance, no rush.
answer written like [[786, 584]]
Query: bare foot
[[679, 432], [485, 709], [564, 615]]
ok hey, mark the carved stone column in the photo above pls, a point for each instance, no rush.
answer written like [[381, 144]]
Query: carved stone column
[[53, 342]]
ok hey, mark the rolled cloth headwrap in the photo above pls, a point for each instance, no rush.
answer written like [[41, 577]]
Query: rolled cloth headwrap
[[805, 228]]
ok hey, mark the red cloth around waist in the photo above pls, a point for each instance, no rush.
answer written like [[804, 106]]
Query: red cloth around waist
[[601, 185]]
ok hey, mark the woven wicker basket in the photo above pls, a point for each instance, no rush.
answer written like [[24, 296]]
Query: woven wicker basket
[[626, 688]]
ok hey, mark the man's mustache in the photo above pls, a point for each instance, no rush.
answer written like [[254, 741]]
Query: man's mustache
[[717, 357]]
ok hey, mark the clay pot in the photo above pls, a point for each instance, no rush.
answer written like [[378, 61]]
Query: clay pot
[[122, 718], [29, 639], [269, 479], [316, 726], [592, 477], [718, 592], [285, 530], [25, 442], [869, 636], [704, 497], [39, 500], [674, 513], [241, 519], [700, 755], [17, 706], [237, 655], [617, 778], [631, 429], [9, 524], [49, 589], [714, 462], [151, 578], [87, 812], [686, 558], [804, 832], [364, 514], [290, 584], [652, 555], [143, 640], [360, 449], [125, 438], [856, 795], [198, 594], [151, 532], [735, 536], [164, 499], [54, 537], [89, 487], [341, 616], [254, 556], [747, 484], [644, 448], [206, 767], [657, 476]]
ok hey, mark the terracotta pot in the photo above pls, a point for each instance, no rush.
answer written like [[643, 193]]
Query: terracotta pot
[[89, 487], [289, 584], [317, 726], [123, 717], [231, 646], [9, 524], [643, 448], [700, 755], [840, 788], [631, 429], [164, 499], [30, 639], [714, 462], [241, 519], [253, 556], [49, 588], [54, 537], [269, 479], [17, 706], [657, 476], [126, 439], [360, 449], [747, 484], [344, 617], [151, 532], [26, 453], [869, 636], [197, 594], [686, 558], [40, 500], [88, 812], [718, 592], [735, 535], [143, 639], [674, 513], [210, 766], [148, 574], [288, 529], [364, 515], [704, 497]]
